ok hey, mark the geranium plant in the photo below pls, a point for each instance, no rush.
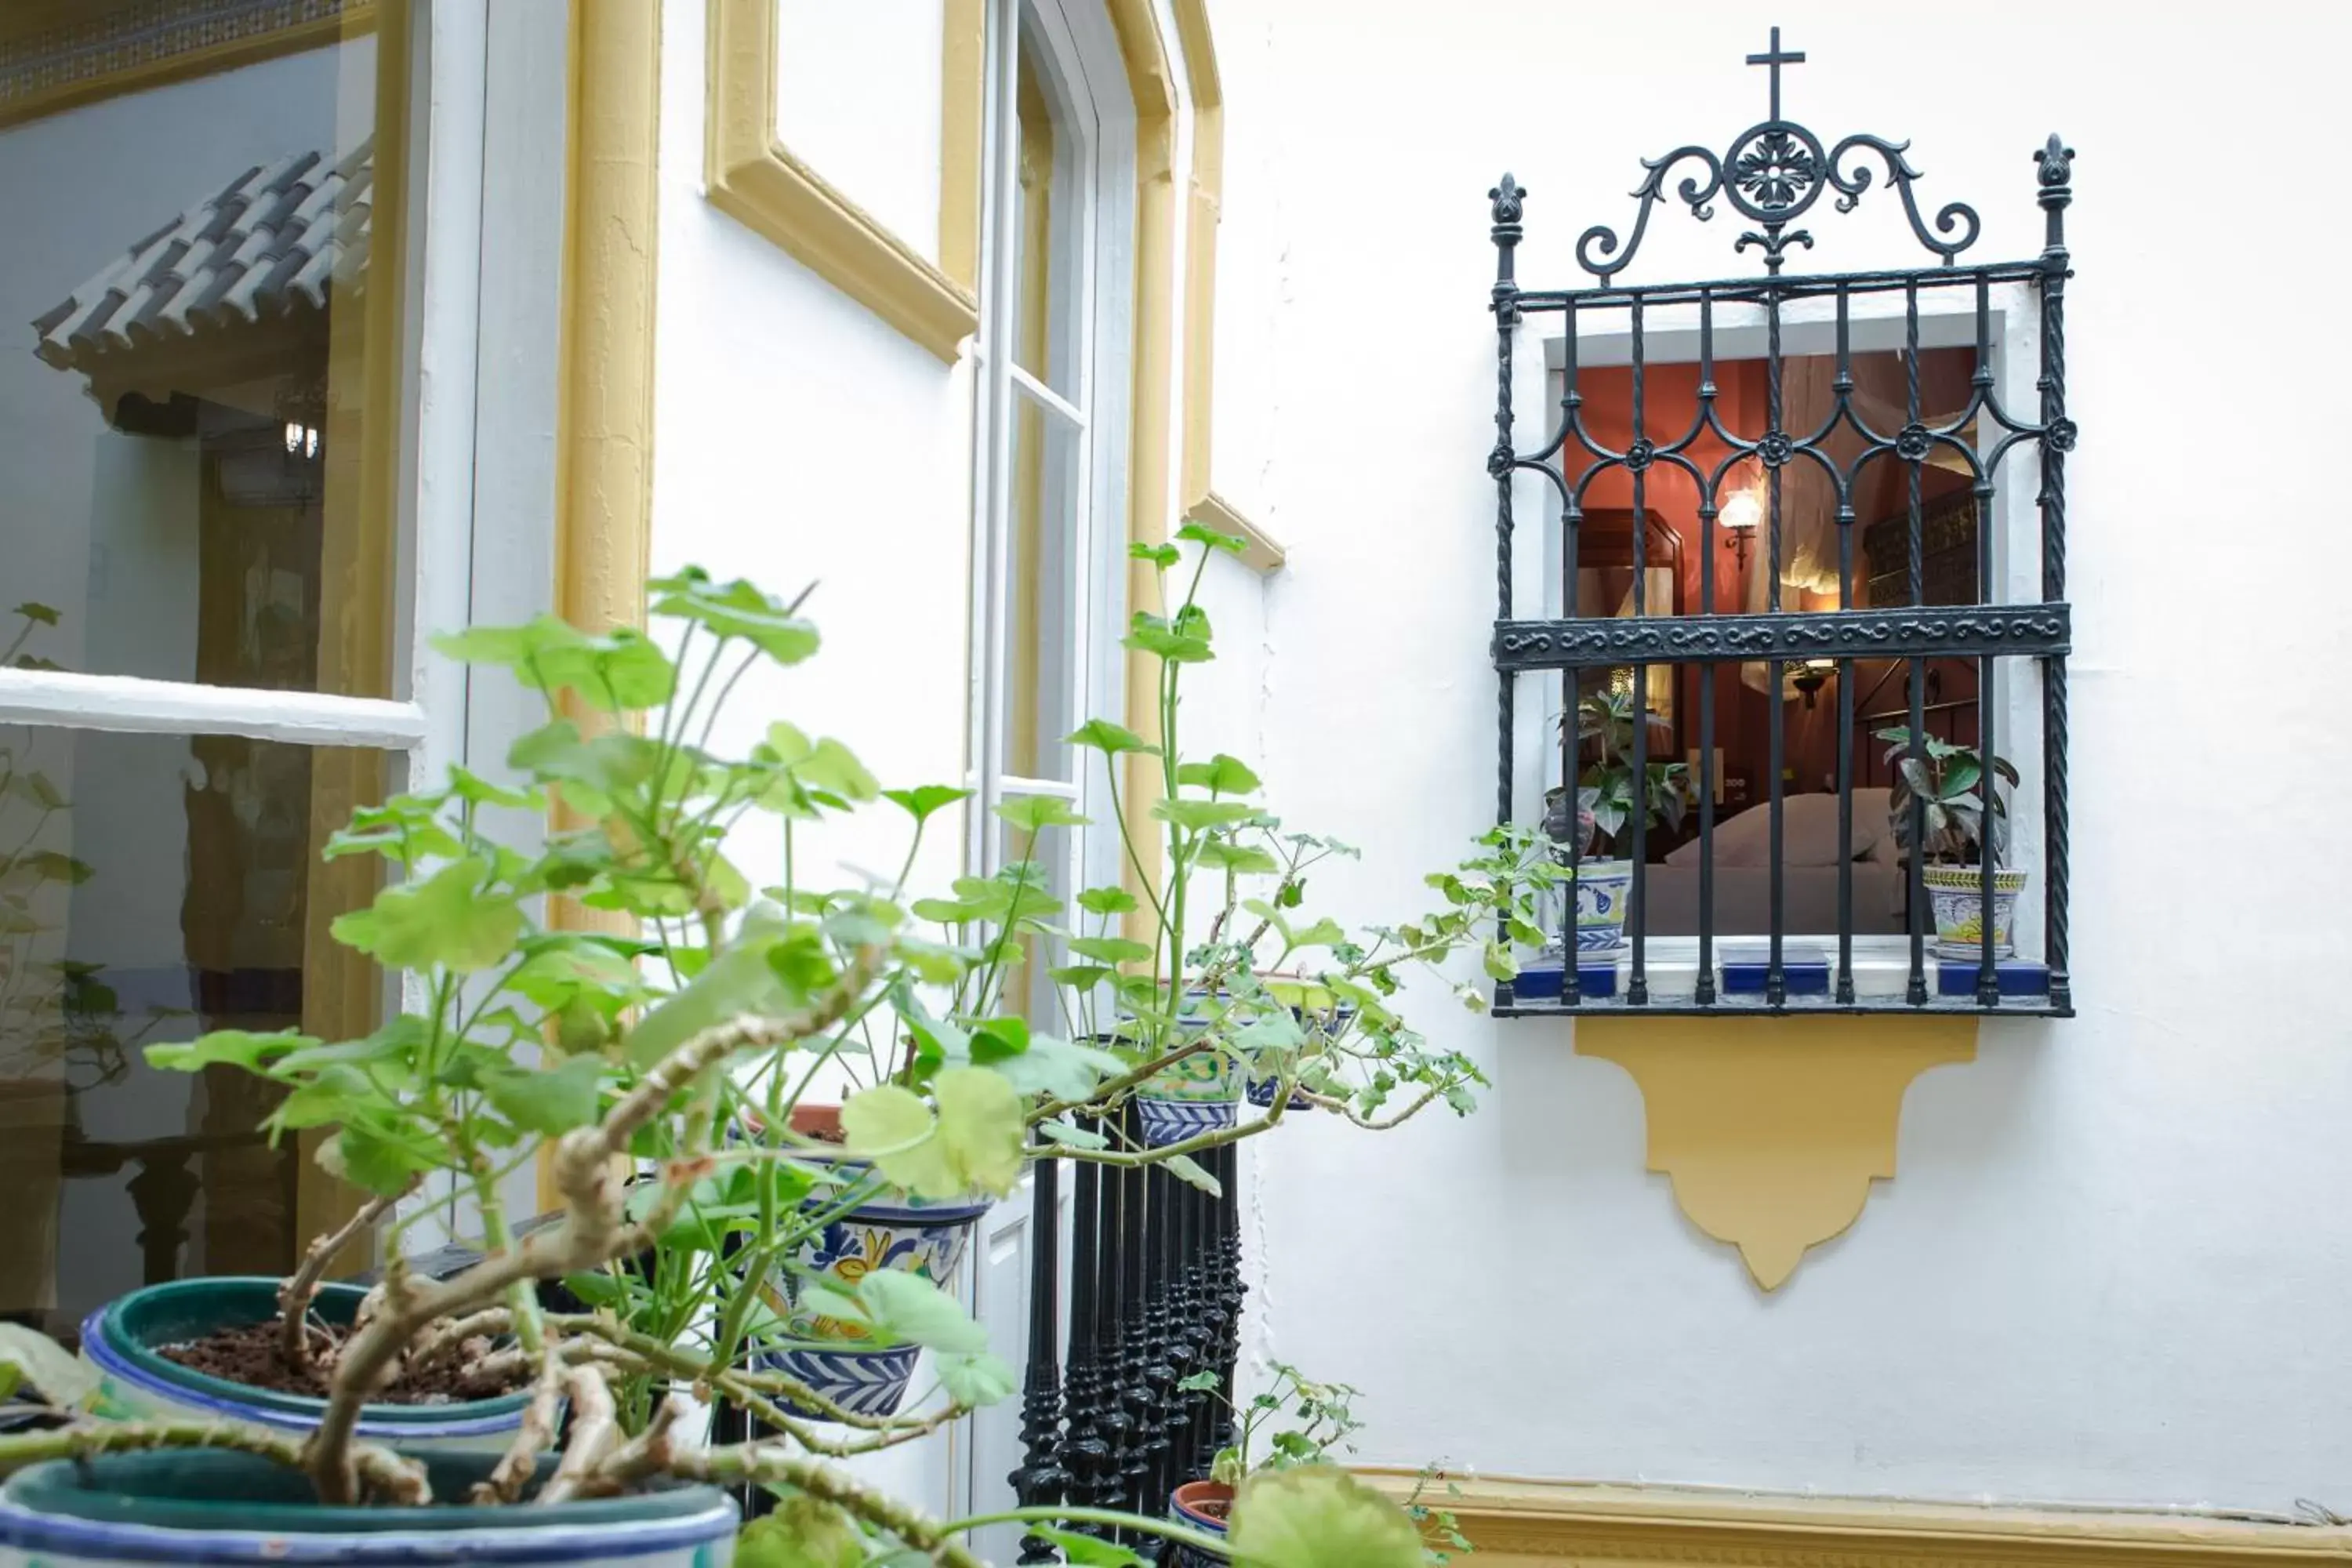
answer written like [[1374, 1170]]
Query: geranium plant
[[656, 1073]]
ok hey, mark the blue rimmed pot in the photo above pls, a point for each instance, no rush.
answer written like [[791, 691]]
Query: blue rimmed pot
[[1319, 1013], [893, 1229], [865, 1379], [238, 1508], [1202, 1506], [123, 1341], [1193, 1095]]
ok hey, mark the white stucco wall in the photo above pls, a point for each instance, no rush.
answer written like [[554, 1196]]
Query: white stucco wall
[[2116, 1260], [798, 440]]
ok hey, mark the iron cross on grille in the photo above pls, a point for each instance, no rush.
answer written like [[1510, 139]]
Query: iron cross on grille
[[1776, 58]]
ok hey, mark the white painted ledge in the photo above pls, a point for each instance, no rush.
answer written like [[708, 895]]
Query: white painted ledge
[[130, 705]]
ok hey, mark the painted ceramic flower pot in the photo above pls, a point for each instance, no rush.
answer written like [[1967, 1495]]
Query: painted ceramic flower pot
[[1202, 1506], [1199, 1093], [893, 1228], [121, 1341], [865, 1379], [1319, 1013], [1603, 887], [1956, 893], [238, 1508]]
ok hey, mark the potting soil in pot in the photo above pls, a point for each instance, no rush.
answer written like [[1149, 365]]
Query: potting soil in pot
[[249, 1354]]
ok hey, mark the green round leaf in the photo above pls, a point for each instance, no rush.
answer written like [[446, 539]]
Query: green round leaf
[[1317, 1517]]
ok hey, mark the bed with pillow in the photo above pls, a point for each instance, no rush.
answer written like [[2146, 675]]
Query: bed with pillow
[[1743, 872]]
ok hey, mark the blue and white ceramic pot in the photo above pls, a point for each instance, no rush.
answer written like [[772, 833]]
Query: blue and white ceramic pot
[[1602, 891], [121, 1341], [1319, 1013], [1199, 1093], [1202, 1506], [1956, 895], [893, 1229], [238, 1508]]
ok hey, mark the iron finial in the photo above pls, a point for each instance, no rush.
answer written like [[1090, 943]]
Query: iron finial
[[1509, 199]]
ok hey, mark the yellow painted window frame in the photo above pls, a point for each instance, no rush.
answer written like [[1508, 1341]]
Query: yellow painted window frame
[[1520, 1522], [762, 184], [1201, 503]]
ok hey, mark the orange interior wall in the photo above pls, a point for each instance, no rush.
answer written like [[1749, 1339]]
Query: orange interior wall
[[1670, 403]]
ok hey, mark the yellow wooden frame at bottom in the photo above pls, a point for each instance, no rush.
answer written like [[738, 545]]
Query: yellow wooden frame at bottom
[[1517, 1523]]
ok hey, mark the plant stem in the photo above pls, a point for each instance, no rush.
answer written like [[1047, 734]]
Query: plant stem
[[295, 1295], [595, 1227], [1166, 1529], [768, 1462], [401, 1480]]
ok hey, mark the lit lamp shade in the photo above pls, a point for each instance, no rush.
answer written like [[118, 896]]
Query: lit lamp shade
[[1742, 511]]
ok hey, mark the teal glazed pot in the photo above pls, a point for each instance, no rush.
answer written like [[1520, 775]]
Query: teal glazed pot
[[120, 1340], [222, 1508]]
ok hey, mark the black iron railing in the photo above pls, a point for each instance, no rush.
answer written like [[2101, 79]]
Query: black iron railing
[[1155, 1297], [1771, 174]]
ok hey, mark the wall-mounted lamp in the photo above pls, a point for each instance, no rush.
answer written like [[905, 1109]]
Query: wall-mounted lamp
[[1811, 676], [1742, 513]]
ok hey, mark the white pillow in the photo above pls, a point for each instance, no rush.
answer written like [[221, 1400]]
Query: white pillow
[[1809, 832]]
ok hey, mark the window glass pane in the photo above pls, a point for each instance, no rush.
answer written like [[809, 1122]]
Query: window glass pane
[[1046, 210], [1042, 621], [197, 347], [152, 887], [1029, 990]]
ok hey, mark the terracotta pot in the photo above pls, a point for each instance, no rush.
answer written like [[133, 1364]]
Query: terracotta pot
[[1204, 1506]]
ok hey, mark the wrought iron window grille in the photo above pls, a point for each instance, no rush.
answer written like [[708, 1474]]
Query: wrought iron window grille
[[1774, 175]]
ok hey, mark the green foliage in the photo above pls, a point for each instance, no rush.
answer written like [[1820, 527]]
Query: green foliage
[[804, 1532], [1002, 1020], [28, 1357], [1604, 794], [1292, 1421], [1318, 1517], [1947, 783]]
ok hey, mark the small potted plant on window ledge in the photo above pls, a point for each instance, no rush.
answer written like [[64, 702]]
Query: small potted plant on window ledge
[[1604, 814], [1948, 782], [1294, 1423]]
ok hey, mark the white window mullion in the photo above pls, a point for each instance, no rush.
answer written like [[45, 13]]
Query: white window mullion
[[993, 556], [1053, 402]]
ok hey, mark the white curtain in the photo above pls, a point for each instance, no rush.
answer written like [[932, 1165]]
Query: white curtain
[[1808, 543]]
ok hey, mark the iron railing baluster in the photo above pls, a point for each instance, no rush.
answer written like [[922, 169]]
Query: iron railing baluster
[[2054, 173], [1571, 685], [1843, 388], [1916, 563], [1709, 510], [1774, 450], [1042, 1480], [1507, 203], [1638, 454], [1086, 1451], [1988, 737]]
